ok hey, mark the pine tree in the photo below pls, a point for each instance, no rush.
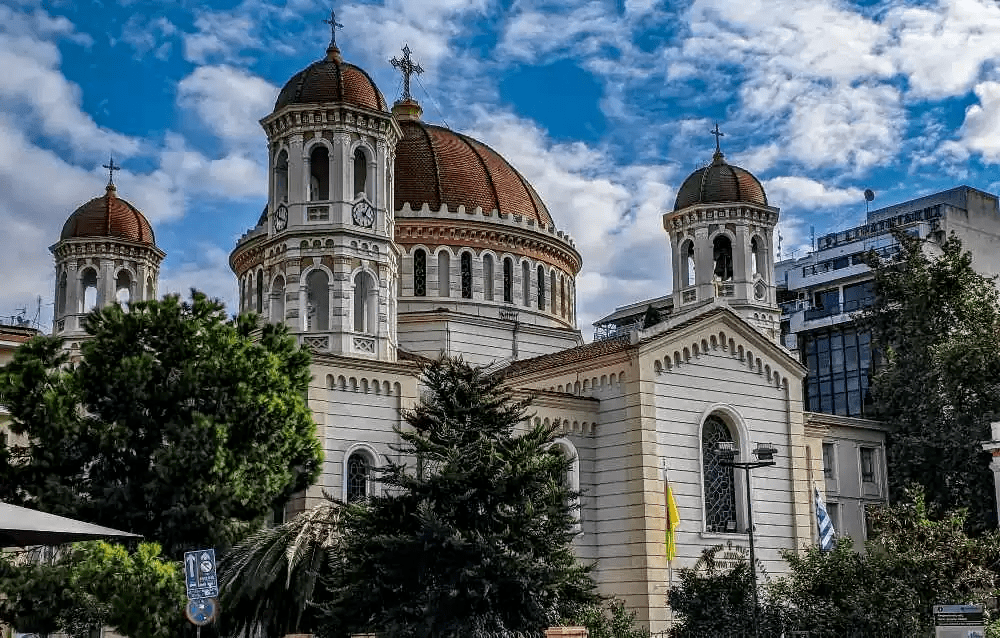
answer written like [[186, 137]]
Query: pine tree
[[936, 322], [177, 423], [473, 539]]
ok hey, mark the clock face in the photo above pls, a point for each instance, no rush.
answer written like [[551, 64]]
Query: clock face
[[280, 218], [364, 214]]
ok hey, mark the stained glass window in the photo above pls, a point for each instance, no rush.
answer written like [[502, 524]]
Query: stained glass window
[[357, 478], [419, 273], [720, 488]]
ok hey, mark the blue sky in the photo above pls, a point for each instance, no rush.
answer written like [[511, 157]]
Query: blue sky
[[605, 106]]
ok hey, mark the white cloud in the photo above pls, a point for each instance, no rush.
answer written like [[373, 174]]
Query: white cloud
[[229, 102], [147, 36], [980, 132], [234, 175], [220, 36], [797, 193], [205, 266]]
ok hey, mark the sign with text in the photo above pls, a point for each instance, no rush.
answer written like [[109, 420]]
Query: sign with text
[[199, 574], [959, 621]]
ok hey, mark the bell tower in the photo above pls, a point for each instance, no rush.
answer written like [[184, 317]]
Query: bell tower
[[721, 234], [322, 258], [106, 254]]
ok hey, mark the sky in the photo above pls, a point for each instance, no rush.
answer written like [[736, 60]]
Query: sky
[[605, 106]]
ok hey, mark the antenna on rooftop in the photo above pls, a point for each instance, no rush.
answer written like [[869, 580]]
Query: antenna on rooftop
[[869, 196], [812, 237]]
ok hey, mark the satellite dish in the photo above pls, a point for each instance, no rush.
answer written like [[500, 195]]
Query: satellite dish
[[869, 194]]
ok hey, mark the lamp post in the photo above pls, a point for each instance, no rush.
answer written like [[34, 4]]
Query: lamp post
[[728, 451]]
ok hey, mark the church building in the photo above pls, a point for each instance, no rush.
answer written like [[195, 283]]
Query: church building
[[386, 239]]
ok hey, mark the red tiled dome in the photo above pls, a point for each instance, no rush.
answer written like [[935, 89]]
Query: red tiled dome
[[331, 80], [436, 166], [720, 182], [109, 216]]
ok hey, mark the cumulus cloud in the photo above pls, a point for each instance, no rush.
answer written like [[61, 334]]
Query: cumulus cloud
[[980, 132], [205, 266], [149, 37], [797, 193], [228, 101]]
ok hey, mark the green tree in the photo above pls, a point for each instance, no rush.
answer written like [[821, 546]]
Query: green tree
[[609, 620], [911, 563], [472, 541], [175, 423], [93, 585], [936, 322]]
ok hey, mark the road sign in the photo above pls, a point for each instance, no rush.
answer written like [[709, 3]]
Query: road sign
[[199, 574], [202, 611], [959, 621]]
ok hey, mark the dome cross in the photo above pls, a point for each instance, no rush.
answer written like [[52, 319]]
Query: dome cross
[[718, 134], [407, 67], [111, 170], [334, 25]]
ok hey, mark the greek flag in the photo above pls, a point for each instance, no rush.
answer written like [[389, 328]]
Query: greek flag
[[826, 533]]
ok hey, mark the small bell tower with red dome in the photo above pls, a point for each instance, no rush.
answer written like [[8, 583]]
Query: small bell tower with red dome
[[106, 254], [721, 234]]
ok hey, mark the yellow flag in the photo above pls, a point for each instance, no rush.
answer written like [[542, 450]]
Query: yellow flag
[[673, 520]]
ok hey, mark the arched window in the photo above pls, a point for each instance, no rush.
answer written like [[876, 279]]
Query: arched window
[[466, 275], [358, 474], [281, 177], [541, 288], [88, 290], [508, 280], [319, 173], [150, 293], [720, 487], [360, 173], [123, 288], [552, 291], [365, 303], [317, 301], [488, 277], [754, 256], [722, 257], [563, 309], [687, 264], [61, 297], [419, 273], [571, 480], [278, 300], [260, 293], [525, 283], [444, 274]]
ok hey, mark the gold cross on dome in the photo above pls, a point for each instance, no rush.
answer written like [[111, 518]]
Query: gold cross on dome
[[111, 170], [717, 133], [334, 25], [407, 67]]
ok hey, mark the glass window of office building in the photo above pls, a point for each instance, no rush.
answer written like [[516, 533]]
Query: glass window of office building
[[839, 362]]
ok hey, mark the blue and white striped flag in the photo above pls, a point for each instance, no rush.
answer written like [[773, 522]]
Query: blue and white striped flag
[[826, 532]]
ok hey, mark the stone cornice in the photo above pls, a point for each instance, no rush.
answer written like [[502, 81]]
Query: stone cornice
[[104, 246], [705, 214], [302, 118]]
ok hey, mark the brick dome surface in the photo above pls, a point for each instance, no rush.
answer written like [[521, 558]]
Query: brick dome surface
[[437, 166], [720, 182], [109, 216], [331, 80]]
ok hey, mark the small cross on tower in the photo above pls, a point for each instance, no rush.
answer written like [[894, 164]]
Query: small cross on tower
[[111, 171], [334, 25], [717, 133], [407, 67]]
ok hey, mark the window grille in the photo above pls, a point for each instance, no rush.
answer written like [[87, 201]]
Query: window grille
[[466, 276], [358, 469], [420, 274], [720, 488]]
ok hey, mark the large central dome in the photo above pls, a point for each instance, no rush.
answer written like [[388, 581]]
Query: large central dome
[[109, 216], [437, 166]]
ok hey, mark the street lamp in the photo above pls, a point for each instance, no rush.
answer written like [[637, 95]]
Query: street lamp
[[764, 452]]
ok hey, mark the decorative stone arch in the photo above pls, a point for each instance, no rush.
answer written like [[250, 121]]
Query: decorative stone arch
[[717, 484], [444, 264], [276, 305], [351, 484], [128, 284], [314, 302], [367, 183], [86, 283], [365, 287], [319, 185], [489, 263]]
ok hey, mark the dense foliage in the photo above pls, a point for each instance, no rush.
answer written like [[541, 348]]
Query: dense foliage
[[93, 585], [175, 423], [474, 539], [936, 322], [911, 563]]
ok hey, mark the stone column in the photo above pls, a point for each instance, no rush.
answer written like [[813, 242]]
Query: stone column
[[993, 447]]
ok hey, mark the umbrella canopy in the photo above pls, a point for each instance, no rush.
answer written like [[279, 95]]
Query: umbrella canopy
[[22, 527]]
